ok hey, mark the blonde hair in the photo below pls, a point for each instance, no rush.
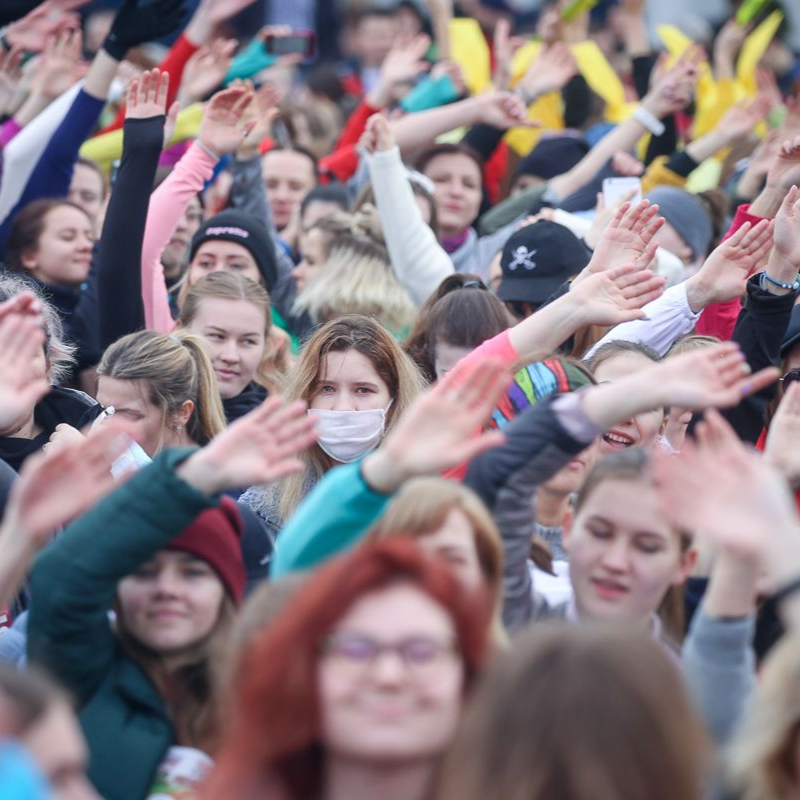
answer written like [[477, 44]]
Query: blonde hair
[[232, 286], [691, 343], [421, 508], [175, 368], [357, 276], [761, 759], [366, 336]]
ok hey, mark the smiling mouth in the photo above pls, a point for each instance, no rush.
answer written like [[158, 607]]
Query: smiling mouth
[[618, 440], [609, 590]]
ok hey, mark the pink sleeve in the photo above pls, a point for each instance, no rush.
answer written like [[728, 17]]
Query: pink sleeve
[[719, 319], [9, 130], [167, 204], [498, 347]]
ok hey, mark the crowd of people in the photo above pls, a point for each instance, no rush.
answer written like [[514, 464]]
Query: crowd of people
[[405, 409]]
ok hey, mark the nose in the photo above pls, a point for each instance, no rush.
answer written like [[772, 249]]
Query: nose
[[388, 669], [230, 352], [616, 557], [167, 583], [344, 402]]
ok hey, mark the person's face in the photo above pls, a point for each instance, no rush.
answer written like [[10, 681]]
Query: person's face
[[642, 430], [174, 253], [171, 603], [375, 38], [668, 238], [457, 191], [348, 381], [453, 543], [385, 707], [63, 254], [87, 190], [234, 333], [56, 744], [314, 249], [408, 24], [288, 178], [131, 401], [623, 556], [217, 255], [570, 478], [447, 356], [317, 210]]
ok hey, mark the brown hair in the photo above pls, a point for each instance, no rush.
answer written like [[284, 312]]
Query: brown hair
[[578, 713], [26, 230], [175, 368], [425, 157], [459, 318]]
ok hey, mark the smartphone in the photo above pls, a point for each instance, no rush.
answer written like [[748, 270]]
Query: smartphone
[[616, 188], [297, 43]]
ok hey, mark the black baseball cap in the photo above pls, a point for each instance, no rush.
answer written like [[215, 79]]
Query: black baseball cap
[[536, 261]]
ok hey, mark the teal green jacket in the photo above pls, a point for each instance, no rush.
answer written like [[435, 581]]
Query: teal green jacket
[[73, 585], [334, 516]]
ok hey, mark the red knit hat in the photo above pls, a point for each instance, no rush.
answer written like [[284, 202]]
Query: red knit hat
[[215, 537]]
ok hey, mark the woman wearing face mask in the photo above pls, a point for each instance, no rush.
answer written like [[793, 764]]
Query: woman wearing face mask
[[52, 241], [357, 383], [144, 685], [356, 690], [232, 315]]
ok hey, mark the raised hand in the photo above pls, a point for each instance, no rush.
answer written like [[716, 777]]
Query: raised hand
[[51, 18], [22, 384], [785, 170], [787, 228], [725, 272], [10, 74], [628, 239], [503, 110], [549, 72], [402, 64], [783, 440], [673, 89], [726, 47], [136, 24], [59, 65], [261, 114], [617, 295], [442, 428], [147, 95], [740, 119], [377, 136], [257, 449], [206, 70], [224, 126], [505, 45]]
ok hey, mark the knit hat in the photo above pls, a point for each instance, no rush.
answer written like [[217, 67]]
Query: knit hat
[[215, 538], [233, 225], [687, 215], [553, 156], [535, 382], [537, 259]]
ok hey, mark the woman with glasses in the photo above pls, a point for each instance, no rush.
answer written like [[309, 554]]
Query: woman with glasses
[[356, 691]]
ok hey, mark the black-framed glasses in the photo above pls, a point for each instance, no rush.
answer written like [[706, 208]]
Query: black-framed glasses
[[356, 653], [792, 376]]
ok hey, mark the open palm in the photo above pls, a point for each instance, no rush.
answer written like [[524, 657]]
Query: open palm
[[617, 295], [223, 128], [787, 226], [783, 441]]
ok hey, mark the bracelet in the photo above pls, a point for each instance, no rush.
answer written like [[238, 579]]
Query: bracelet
[[649, 121], [765, 279], [785, 591]]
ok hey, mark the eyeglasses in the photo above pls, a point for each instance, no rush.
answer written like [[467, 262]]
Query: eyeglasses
[[421, 655], [790, 377]]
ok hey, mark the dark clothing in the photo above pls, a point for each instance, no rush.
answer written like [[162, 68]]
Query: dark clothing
[[250, 397], [73, 584], [257, 547], [60, 405]]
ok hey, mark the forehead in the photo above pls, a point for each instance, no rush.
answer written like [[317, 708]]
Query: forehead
[[348, 366], [84, 174], [122, 393], [221, 248], [288, 164], [455, 532], [396, 612], [231, 315], [453, 164], [620, 365], [630, 505], [66, 216]]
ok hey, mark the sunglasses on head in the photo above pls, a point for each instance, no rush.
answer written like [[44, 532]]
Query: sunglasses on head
[[791, 376]]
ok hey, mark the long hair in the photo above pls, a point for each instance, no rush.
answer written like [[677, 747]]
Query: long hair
[[190, 693], [421, 508], [175, 369], [357, 277], [761, 761], [365, 336], [578, 713], [276, 724]]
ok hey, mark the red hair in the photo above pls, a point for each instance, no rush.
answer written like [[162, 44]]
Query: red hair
[[274, 735]]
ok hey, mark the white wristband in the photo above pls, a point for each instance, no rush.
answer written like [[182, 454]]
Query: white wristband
[[650, 121]]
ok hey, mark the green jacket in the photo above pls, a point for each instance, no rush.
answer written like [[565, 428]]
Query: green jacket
[[334, 516], [73, 585]]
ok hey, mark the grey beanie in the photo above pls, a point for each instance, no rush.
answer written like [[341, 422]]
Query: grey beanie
[[687, 215]]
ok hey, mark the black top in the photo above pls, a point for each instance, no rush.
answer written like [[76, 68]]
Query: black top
[[251, 396]]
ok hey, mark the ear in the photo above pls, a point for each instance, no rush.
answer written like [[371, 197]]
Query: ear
[[184, 413], [688, 560], [566, 528], [29, 260]]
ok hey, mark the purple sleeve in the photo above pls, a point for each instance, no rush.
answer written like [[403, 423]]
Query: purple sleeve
[[9, 130]]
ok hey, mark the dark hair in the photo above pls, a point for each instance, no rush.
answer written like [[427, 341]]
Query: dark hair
[[426, 156], [27, 228], [29, 695], [367, 197], [462, 313], [323, 80], [716, 204], [95, 167], [330, 193]]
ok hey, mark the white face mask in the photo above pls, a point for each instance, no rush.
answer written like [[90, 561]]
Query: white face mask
[[347, 435]]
